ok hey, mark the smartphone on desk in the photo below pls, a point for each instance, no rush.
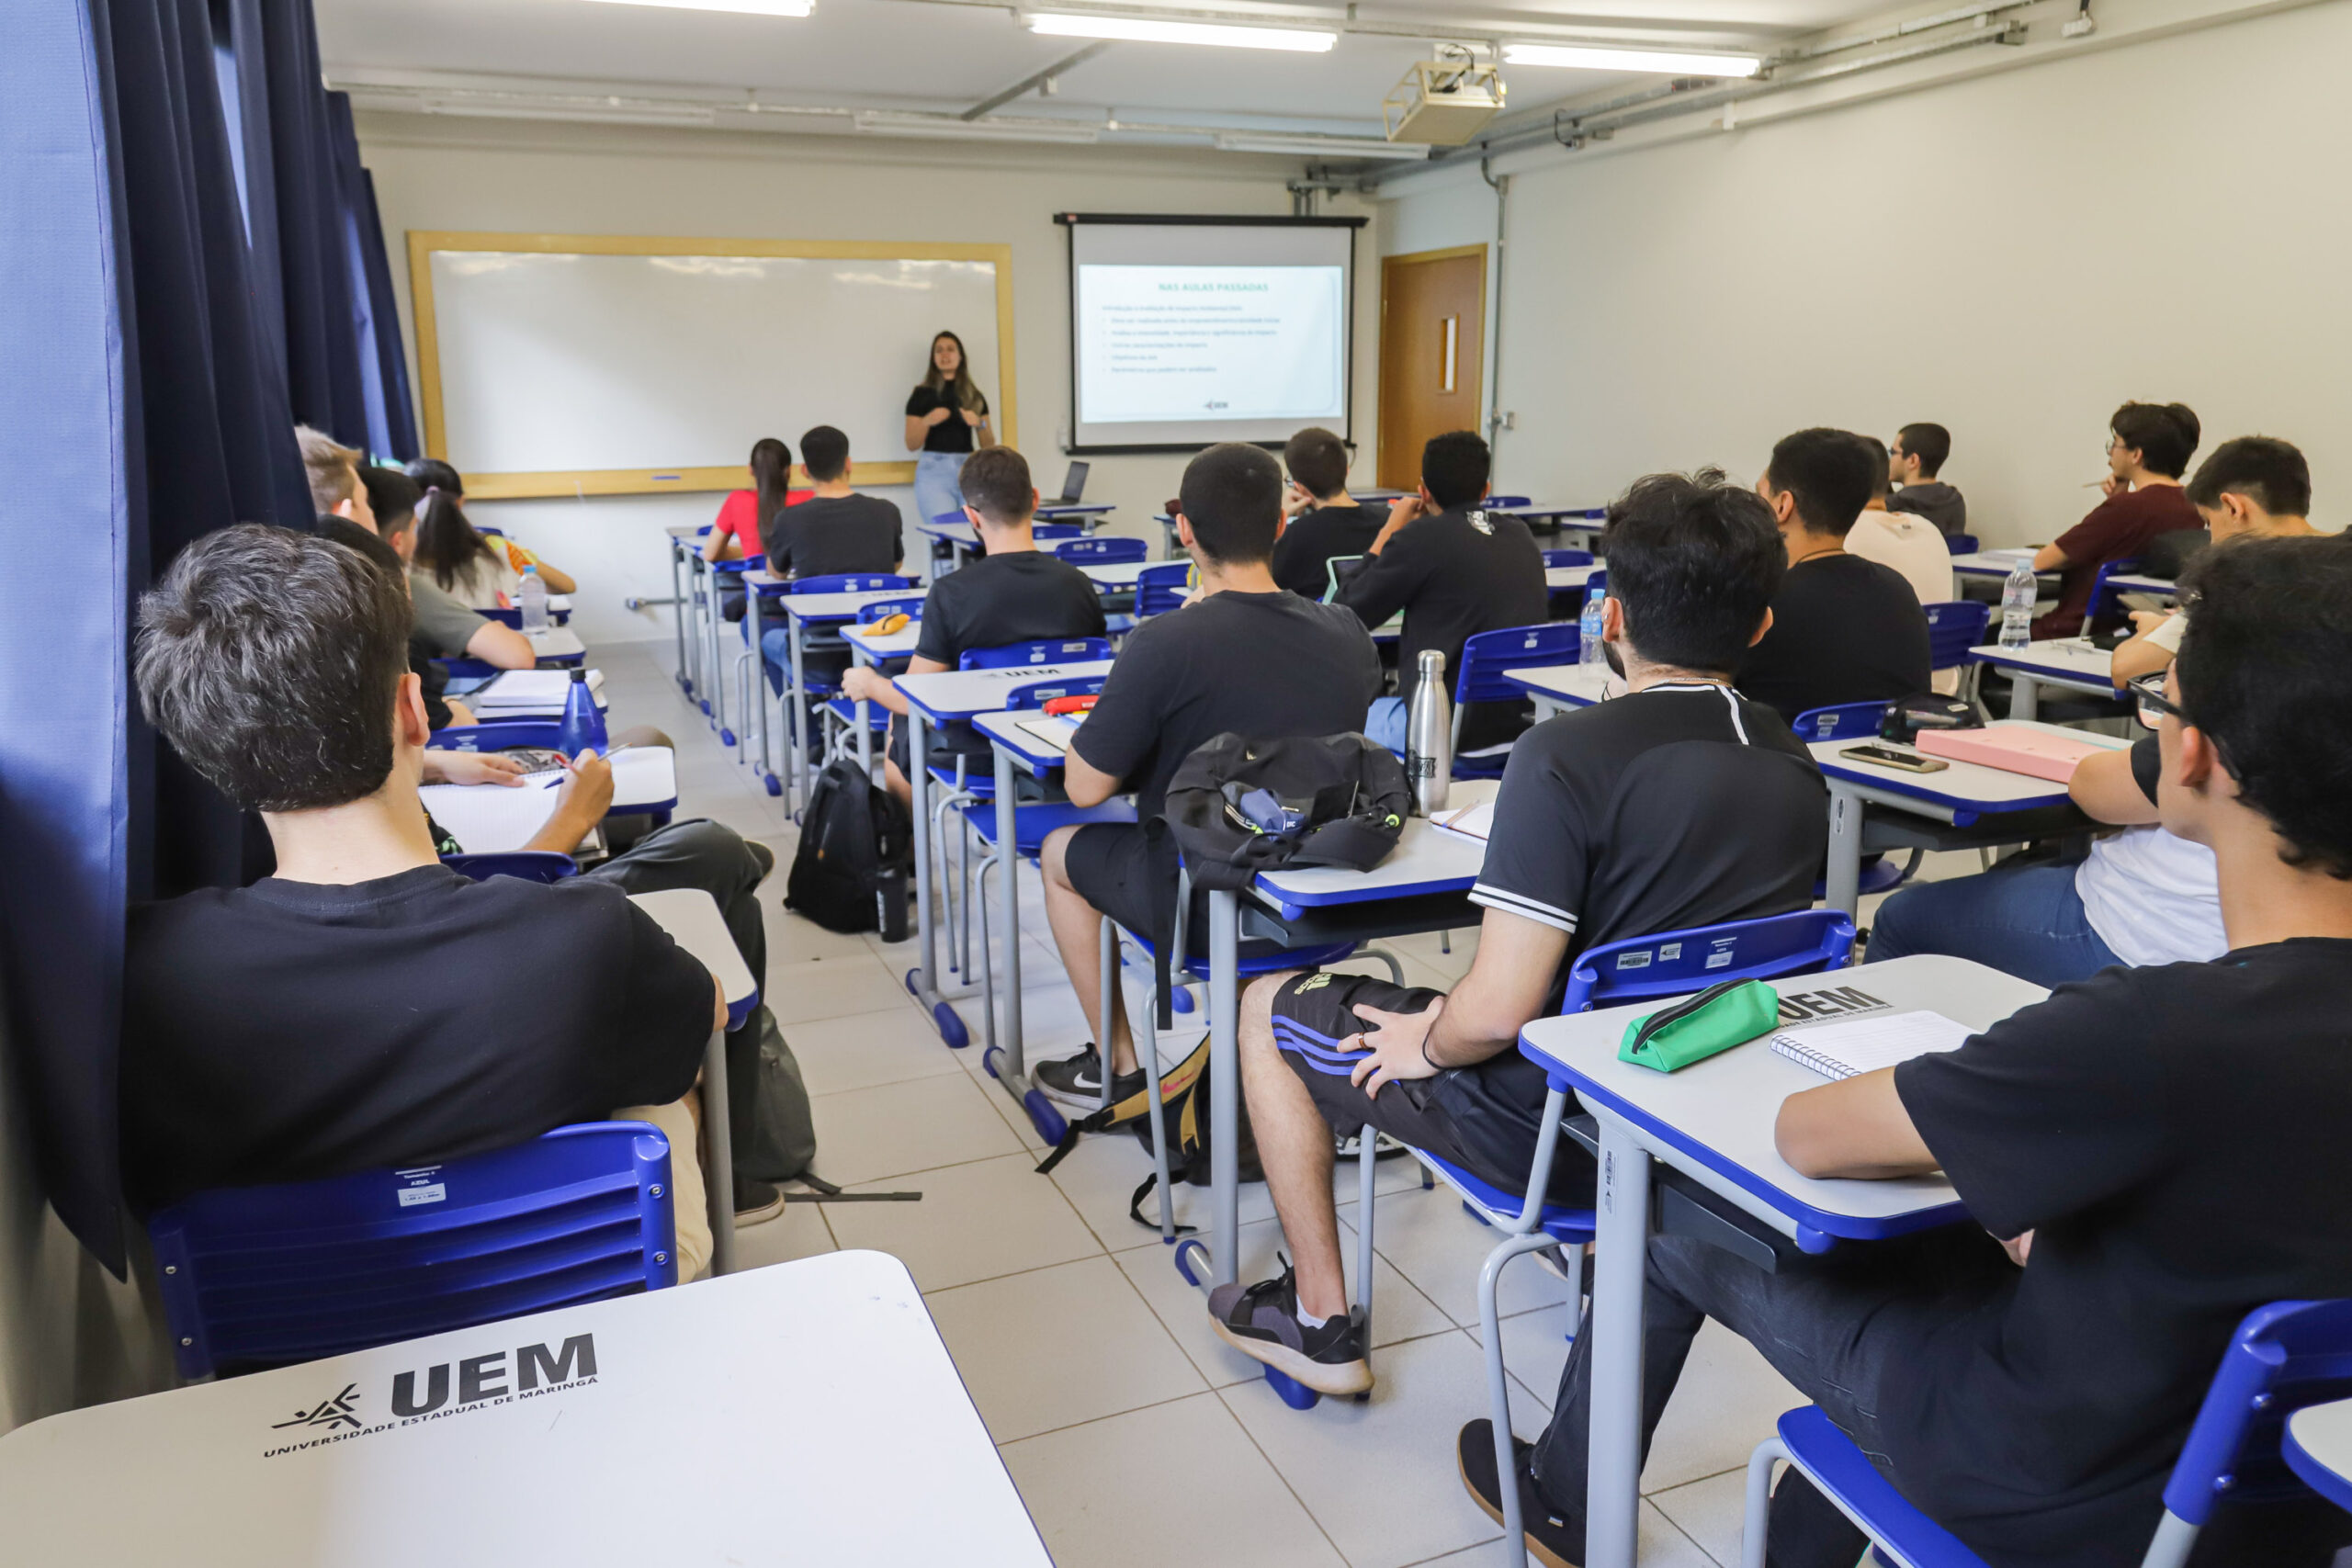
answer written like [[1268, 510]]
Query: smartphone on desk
[[1890, 757]]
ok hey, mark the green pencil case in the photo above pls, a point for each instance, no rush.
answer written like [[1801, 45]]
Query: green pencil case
[[1717, 1019]]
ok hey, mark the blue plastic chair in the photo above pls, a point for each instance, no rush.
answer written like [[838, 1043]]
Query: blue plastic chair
[[883, 609], [1484, 659], [257, 1277], [1843, 721], [531, 865], [1057, 531], [1051, 651], [1084, 551], [511, 617], [1159, 589], [2282, 1358], [1962, 544], [850, 582], [2102, 589], [1567, 557]]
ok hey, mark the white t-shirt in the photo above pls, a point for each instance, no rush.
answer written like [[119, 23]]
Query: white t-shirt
[[1914, 547], [2152, 897], [2166, 634]]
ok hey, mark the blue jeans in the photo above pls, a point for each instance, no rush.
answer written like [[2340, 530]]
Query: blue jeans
[[939, 484], [1386, 722], [2027, 921]]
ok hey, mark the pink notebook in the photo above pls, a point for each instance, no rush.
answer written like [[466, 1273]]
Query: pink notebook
[[2037, 753]]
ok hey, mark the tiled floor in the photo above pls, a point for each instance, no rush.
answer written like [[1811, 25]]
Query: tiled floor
[[1136, 1437]]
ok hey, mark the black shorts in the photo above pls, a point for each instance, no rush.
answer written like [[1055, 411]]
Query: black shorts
[[1109, 863], [1314, 1018]]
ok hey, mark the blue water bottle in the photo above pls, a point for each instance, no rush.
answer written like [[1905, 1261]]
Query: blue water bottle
[[582, 726]]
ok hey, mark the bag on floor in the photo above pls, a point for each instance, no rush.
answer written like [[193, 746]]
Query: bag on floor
[[1184, 1123], [774, 1131], [857, 846]]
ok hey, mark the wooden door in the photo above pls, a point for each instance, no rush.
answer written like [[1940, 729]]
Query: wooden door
[[1433, 354]]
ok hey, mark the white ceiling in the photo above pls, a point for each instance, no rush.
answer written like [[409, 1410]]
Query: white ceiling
[[924, 55]]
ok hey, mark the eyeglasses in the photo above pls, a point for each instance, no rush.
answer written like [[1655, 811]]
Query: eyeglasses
[[2148, 693]]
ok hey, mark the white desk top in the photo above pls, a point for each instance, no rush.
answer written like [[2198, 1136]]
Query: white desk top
[[1426, 860], [493, 819], [691, 917], [1560, 577], [2323, 1434], [685, 530], [1716, 1116], [1119, 574], [1993, 563], [559, 603], [1592, 515], [557, 642], [1966, 786], [2063, 659], [770, 1417], [1578, 685], [838, 606], [893, 645], [1040, 756], [958, 694], [2137, 582]]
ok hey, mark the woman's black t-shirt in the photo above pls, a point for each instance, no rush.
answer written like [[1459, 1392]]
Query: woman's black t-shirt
[[950, 434]]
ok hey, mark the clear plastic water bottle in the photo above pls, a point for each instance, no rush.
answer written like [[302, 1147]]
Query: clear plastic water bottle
[[2017, 596], [532, 596], [1588, 629]]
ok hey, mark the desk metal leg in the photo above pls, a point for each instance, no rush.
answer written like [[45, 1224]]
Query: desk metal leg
[[719, 1155], [1842, 882], [714, 656], [1225, 1086], [2025, 695], [678, 612], [692, 610], [864, 714], [1008, 885], [924, 981], [795, 733], [1613, 1476]]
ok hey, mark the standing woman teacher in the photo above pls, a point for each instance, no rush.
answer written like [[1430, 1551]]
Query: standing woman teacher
[[948, 421]]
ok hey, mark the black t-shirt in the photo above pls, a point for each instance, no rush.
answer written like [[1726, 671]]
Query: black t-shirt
[[1936, 501], [950, 434], [1459, 572], [1681, 805], [290, 1030], [829, 534], [1302, 555], [1022, 596], [1843, 630], [2174, 1138], [1265, 665]]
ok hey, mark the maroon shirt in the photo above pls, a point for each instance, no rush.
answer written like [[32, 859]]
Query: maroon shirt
[[2118, 528]]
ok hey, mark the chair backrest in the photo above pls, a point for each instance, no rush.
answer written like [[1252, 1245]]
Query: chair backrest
[[1953, 627], [1101, 551], [1052, 650], [1057, 530], [1567, 557], [531, 865], [466, 669], [1485, 656], [1503, 501], [2101, 592], [1037, 694], [1961, 544], [2282, 1358], [1673, 962], [1597, 583], [1159, 589], [849, 582], [496, 736], [1845, 721], [262, 1275], [740, 565], [944, 518], [869, 613]]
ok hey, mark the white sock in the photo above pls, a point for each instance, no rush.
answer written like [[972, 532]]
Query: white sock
[[1308, 1320]]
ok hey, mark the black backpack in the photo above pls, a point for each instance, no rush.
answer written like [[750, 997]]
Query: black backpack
[[856, 850]]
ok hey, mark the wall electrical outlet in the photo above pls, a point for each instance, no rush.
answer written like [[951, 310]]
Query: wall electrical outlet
[[2081, 26]]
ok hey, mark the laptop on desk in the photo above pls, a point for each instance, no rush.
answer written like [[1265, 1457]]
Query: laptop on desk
[[1073, 486]]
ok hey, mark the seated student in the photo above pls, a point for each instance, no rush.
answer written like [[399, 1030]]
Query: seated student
[[1455, 570], [1244, 658], [1844, 629], [2148, 450], [1680, 804], [274, 662], [481, 572], [1909, 544], [441, 710], [837, 529], [1014, 592], [1322, 519], [2160, 1149], [746, 515], [445, 628], [1913, 462], [2254, 488]]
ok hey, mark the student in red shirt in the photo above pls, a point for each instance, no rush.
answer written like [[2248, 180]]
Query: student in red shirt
[[2148, 450], [743, 516]]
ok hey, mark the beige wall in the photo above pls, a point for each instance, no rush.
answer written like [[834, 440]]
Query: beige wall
[[2011, 256], [503, 175]]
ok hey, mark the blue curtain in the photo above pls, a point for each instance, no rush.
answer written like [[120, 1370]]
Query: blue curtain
[[383, 367]]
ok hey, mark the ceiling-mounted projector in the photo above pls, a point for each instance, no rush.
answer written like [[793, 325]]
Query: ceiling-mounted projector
[[1444, 101]]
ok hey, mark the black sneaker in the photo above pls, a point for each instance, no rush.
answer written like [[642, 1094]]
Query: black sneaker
[[1077, 1080], [1551, 1540], [1261, 1322], [756, 1201]]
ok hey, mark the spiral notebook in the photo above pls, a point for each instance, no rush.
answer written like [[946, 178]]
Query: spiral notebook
[[1865, 1044]]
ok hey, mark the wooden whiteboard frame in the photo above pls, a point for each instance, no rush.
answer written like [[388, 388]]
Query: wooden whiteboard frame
[[422, 242]]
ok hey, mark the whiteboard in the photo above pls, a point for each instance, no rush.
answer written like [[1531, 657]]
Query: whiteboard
[[557, 364]]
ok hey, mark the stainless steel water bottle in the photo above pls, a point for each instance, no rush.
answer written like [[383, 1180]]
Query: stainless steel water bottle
[[1429, 735]]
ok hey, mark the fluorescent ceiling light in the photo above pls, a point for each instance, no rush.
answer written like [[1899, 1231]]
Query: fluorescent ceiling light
[[1594, 57], [1145, 30], [1323, 146], [947, 126], [754, 7], [598, 113]]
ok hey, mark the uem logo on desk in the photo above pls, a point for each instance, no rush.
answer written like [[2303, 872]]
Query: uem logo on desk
[[482, 1382], [1804, 1007]]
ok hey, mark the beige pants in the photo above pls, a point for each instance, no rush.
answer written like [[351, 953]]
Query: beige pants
[[688, 1199]]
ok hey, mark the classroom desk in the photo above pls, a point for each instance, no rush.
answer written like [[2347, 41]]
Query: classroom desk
[[691, 917], [1960, 793], [2318, 1447], [1561, 688], [682, 548], [1994, 563], [959, 696], [490, 818], [2068, 663], [962, 539], [867, 647], [1112, 576], [2140, 582], [769, 1418], [1562, 579], [802, 612], [558, 648], [1713, 1122], [1557, 519], [488, 713]]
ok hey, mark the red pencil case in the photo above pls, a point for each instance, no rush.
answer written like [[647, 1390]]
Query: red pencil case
[[1056, 707]]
